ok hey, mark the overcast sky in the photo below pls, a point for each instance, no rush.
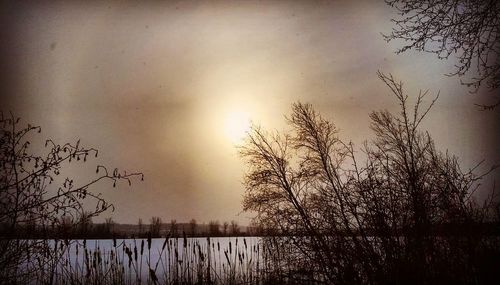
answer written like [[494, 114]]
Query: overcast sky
[[153, 88]]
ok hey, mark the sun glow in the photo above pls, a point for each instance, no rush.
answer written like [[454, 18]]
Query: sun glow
[[237, 125]]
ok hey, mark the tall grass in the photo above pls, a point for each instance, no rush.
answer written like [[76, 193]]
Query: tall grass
[[169, 260]]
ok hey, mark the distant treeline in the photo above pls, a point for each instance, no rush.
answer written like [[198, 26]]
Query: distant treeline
[[213, 229], [86, 229]]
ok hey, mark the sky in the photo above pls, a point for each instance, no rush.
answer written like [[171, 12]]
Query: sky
[[156, 87]]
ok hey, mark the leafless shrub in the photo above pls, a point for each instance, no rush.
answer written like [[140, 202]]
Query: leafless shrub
[[403, 215], [32, 192]]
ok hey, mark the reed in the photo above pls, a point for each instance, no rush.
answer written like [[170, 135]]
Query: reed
[[151, 261]]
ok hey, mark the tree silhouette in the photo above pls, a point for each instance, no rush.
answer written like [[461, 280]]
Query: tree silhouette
[[109, 226], [174, 228], [193, 227], [214, 228], [140, 226], [467, 30], [84, 224], [392, 218], [34, 191], [235, 228], [225, 227], [155, 226]]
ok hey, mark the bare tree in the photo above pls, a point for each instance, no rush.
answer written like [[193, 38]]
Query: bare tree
[[109, 225], [235, 228], [214, 228], [140, 225], [465, 29], [411, 189], [193, 227], [155, 226], [174, 228], [84, 224], [65, 226], [225, 227], [374, 222], [33, 189]]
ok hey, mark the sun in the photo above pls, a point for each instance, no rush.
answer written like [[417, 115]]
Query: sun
[[236, 125]]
